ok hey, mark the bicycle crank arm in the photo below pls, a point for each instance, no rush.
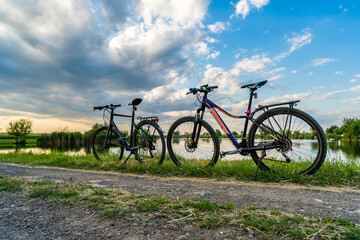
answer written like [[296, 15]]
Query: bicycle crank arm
[[223, 154]]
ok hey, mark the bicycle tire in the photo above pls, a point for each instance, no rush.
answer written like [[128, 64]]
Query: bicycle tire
[[177, 154], [148, 143], [301, 156], [115, 147]]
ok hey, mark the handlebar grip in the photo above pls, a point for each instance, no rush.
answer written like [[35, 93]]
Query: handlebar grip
[[115, 105]]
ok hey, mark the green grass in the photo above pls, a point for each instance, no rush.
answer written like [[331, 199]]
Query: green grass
[[115, 204], [5, 143], [332, 173], [9, 184]]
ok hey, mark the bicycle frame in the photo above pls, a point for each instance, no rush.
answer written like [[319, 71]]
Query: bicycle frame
[[241, 147], [112, 124]]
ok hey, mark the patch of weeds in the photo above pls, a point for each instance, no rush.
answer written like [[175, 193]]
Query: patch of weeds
[[44, 192], [275, 212], [71, 201], [254, 208], [113, 213], [134, 196], [352, 233], [41, 183], [10, 185], [210, 222], [52, 192], [98, 202], [151, 204], [101, 192]]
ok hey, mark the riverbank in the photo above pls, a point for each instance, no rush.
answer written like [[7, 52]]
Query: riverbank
[[332, 173]]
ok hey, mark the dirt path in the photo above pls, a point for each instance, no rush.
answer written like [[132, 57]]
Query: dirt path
[[341, 203]]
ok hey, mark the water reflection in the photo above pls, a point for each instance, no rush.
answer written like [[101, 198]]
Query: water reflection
[[341, 150], [351, 149]]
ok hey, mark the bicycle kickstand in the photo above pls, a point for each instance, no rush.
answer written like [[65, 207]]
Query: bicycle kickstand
[[137, 157], [260, 159]]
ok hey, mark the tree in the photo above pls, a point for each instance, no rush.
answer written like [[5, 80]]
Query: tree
[[218, 133], [331, 129], [19, 128], [176, 134]]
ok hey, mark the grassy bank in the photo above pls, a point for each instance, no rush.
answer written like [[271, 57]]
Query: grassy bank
[[332, 173], [113, 204]]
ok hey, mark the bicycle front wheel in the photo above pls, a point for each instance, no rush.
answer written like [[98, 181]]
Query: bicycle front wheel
[[293, 140], [112, 147], [181, 148], [150, 140]]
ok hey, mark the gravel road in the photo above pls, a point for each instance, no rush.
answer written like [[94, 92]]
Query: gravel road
[[317, 202]]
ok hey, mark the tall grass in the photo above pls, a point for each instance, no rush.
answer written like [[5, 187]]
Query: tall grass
[[63, 139], [332, 173]]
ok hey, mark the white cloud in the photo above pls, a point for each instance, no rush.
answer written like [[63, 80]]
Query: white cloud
[[322, 61], [243, 7], [355, 89], [286, 98], [201, 48], [271, 75], [353, 80], [241, 51], [310, 73], [177, 114], [334, 93], [217, 27], [275, 77], [327, 95], [357, 75], [277, 70], [299, 40], [214, 55], [106, 51], [293, 71], [339, 72], [183, 12], [252, 64], [352, 100]]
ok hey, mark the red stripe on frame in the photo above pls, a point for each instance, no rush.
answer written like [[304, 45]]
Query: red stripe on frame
[[217, 118]]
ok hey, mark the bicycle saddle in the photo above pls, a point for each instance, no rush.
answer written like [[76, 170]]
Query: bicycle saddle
[[136, 101], [255, 85]]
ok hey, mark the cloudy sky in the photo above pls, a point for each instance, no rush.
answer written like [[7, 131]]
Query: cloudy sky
[[59, 58]]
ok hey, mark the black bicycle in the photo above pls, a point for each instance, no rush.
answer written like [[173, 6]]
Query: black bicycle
[[281, 136], [146, 138]]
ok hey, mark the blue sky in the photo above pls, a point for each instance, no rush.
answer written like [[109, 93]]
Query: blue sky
[[60, 58]]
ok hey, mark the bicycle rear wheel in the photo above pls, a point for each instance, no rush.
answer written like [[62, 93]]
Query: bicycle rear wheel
[[301, 145], [150, 140], [181, 148], [113, 148]]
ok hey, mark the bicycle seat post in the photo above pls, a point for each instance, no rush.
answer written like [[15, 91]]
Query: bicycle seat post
[[132, 125]]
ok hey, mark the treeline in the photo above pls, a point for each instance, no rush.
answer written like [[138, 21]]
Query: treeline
[[349, 130]]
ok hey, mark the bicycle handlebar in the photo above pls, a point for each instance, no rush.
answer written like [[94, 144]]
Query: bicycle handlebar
[[111, 106], [204, 88]]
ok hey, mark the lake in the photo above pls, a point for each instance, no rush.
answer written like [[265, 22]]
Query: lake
[[340, 150]]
